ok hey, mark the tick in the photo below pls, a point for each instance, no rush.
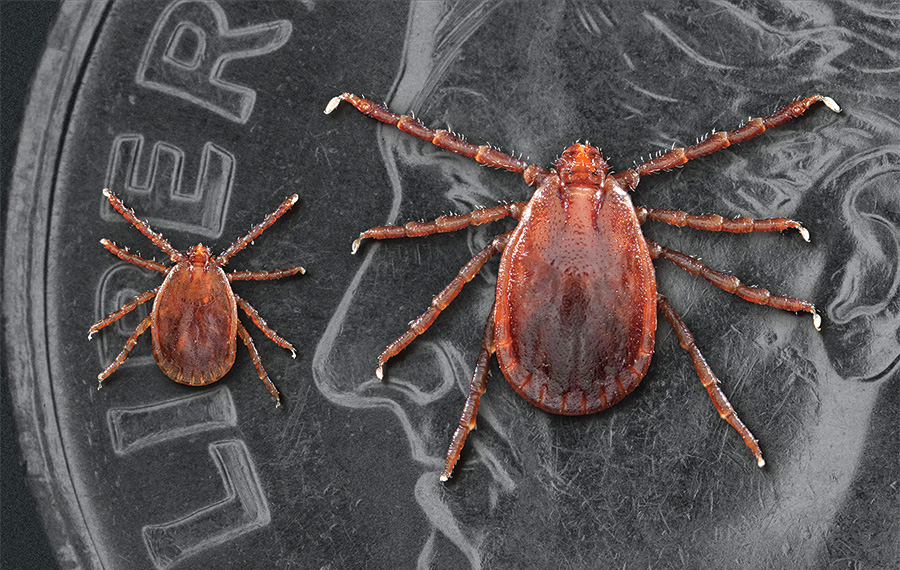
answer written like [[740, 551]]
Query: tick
[[194, 319], [574, 316]]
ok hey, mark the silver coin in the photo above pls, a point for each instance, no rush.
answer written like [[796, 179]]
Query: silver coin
[[204, 115]]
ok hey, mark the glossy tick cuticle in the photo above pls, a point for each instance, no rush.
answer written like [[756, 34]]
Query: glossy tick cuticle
[[194, 323], [574, 317]]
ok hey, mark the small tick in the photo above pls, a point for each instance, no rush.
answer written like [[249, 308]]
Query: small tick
[[574, 317], [194, 318]]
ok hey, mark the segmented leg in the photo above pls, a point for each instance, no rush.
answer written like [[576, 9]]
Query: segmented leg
[[716, 223], [445, 139], [143, 227], [264, 326], [122, 311], [259, 228], [476, 390], [125, 255], [254, 356], [263, 275], [708, 378], [129, 344], [442, 300], [717, 141], [732, 284], [442, 224]]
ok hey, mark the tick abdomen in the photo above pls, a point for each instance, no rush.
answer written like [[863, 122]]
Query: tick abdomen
[[576, 300], [195, 319]]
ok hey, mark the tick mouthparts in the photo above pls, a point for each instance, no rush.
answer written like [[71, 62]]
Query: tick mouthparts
[[332, 105]]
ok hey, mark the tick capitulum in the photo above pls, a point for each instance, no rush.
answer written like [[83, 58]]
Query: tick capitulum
[[194, 321], [574, 317]]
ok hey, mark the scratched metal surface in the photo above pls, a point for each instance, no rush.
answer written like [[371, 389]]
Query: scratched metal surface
[[204, 115]]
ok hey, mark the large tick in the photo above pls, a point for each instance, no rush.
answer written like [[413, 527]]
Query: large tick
[[194, 319], [574, 316]]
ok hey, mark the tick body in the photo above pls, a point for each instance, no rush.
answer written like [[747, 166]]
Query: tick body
[[574, 317], [575, 306], [194, 321]]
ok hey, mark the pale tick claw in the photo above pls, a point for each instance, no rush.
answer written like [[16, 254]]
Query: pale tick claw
[[355, 247], [332, 105], [379, 372], [804, 233], [831, 104], [817, 321]]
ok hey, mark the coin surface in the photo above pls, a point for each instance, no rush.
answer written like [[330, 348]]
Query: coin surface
[[202, 115]]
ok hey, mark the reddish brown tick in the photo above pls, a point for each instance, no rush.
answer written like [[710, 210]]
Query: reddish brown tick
[[194, 319], [574, 316]]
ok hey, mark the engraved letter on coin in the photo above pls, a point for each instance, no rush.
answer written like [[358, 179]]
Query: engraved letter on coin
[[188, 51]]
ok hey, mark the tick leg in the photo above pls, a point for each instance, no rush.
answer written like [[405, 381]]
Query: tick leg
[[476, 390], [254, 356], [732, 284], [129, 344], [442, 224], [445, 139], [716, 223], [708, 378], [264, 326], [263, 275], [123, 310], [125, 255], [442, 300], [257, 229], [143, 227], [717, 141]]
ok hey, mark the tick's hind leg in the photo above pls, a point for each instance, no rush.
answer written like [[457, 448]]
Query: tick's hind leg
[[122, 311], [442, 224], [476, 390], [264, 326], [442, 300], [259, 228], [717, 141], [716, 223], [254, 356], [732, 284], [129, 344], [708, 378]]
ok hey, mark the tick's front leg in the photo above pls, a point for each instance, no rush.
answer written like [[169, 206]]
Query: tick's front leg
[[484, 154], [717, 141]]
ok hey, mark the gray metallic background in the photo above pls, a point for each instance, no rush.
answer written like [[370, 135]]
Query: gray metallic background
[[205, 136]]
